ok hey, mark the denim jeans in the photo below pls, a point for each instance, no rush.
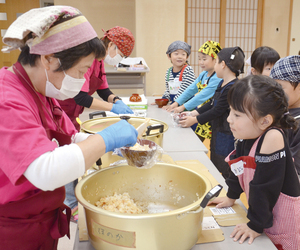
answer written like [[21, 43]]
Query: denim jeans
[[70, 199]]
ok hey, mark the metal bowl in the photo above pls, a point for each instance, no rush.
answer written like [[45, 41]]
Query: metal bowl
[[176, 224]]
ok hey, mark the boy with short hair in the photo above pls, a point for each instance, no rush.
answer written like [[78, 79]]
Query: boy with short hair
[[286, 72], [180, 75]]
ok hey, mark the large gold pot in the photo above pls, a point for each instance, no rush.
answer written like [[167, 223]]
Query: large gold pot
[[154, 132], [169, 186]]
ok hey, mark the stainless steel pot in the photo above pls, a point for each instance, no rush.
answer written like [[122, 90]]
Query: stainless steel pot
[[167, 186], [154, 131]]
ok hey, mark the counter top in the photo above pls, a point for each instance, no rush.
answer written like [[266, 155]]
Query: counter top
[[182, 144], [176, 139]]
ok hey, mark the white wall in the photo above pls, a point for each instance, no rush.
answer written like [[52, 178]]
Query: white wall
[[158, 24]]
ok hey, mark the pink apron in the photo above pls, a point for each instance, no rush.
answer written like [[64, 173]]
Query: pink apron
[[72, 109], [38, 221], [285, 232]]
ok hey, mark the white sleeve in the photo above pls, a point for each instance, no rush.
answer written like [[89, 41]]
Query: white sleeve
[[80, 137], [56, 168]]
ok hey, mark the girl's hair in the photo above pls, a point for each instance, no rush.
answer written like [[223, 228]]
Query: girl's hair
[[68, 57], [263, 56], [258, 96], [233, 58]]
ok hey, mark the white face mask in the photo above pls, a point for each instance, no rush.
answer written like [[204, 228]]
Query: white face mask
[[113, 60], [70, 87]]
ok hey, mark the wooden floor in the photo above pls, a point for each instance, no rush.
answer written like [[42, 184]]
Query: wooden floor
[[243, 196]]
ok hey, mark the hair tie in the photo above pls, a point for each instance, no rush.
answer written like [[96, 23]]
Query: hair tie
[[285, 114]]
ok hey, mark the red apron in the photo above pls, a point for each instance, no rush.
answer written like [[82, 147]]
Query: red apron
[[285, 232], [38, 221], [72, 109]]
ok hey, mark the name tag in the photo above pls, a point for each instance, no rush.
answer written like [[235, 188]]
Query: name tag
[[238, 167], [174, 86]]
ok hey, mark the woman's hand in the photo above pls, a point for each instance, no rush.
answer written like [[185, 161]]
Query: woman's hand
[[222, 202], [170, 108], [118, 135], [188, 121], [179, 109], [120, 107], [241, 232]]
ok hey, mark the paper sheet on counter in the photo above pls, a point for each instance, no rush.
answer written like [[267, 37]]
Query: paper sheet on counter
[[211, 232]]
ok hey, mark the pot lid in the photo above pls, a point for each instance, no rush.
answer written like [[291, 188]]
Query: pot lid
[[95, 125]]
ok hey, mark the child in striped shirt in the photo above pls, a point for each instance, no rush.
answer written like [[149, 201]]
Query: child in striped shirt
[[180, 75]]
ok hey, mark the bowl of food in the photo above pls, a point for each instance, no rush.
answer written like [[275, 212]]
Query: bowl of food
[[141, 154], [135, 98], [161, 102]]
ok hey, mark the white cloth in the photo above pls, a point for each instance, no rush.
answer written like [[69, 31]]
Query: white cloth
[[134, 61], [38, 21], [59, 167]]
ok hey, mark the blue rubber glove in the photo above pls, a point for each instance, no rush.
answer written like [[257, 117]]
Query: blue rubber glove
[[118, 135], [121, 108]]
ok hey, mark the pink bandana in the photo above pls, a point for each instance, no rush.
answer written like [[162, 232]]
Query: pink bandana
[[121, 37], [49, 39]]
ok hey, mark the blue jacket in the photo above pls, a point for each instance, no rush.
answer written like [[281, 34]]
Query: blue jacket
[[193, 89]]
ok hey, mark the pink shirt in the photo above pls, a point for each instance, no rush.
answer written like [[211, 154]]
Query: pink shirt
[[95, 69], [23, 138]]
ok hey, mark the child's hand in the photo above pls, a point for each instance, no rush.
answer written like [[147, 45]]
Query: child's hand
[[222, 202], [179, 109], [167, 107], [188, 121], [194, 113], [242, 232], [190, 113], [170, 108]]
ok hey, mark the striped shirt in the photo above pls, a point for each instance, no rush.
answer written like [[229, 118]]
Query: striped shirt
[[188, 77]]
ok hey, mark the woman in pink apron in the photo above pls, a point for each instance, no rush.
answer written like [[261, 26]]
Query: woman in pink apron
[[119, 43], [262, 165], [41, 150]]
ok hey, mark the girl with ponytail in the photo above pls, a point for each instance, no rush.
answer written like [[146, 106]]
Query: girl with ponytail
[[262, 165]]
